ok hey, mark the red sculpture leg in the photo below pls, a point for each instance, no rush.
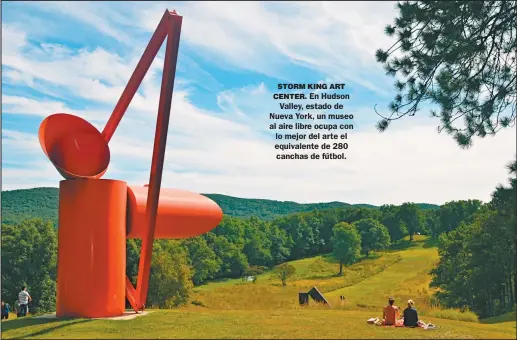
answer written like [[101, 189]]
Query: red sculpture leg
[[160, 141], [138, 75]]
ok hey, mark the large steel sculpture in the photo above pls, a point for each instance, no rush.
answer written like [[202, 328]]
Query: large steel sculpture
[[97, 215]]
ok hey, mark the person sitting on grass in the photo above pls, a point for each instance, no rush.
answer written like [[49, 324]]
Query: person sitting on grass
[[390, 313], [410, 315], [5, 310]]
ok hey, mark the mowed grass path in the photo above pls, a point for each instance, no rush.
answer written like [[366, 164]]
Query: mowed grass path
[[206, 323], [409, 278]]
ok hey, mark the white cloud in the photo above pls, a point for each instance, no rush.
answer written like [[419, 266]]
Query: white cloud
[[13, 39], [331, 37], [100, 16]]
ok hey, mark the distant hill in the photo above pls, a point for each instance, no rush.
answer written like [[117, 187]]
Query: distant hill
[[18, 205]]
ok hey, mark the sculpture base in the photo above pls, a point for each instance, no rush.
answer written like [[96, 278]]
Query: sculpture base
[[91, 267]]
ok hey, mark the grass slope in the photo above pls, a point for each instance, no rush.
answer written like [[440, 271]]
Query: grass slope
[[236, 309], [18, 205]]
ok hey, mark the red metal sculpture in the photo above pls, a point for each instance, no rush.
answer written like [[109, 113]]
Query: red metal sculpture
[[97, 215]]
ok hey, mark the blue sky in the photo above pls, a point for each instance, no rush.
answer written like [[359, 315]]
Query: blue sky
[[76, 57]]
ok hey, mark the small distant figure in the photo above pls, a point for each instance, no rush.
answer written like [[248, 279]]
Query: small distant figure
[[24, 298], [410, 315], [390, 313], [5, 310], [342, 300]]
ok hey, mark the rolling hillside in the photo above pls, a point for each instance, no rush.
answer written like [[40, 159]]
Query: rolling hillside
[[43, 203]]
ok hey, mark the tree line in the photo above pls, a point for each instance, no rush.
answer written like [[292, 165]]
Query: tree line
[[237, 247], [477, 259]]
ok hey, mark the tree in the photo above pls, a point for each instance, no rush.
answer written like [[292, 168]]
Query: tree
[[374, 236], [454, 212], [280, 247], [257, 250], [284, 271], [459, 55], [29, 258], [430, 222], [202, 258], [132, 259], [409, 214], [232, 261], [300, 232], [391, 219], [169, 284], [346, 243]]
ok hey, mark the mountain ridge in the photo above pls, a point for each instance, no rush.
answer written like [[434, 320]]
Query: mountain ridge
[[42, 202]]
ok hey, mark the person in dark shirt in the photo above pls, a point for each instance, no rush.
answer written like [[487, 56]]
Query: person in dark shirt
[[410, 315], [5, 310]]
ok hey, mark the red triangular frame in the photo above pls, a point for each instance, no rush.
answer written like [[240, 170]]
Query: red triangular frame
[[170, 27]]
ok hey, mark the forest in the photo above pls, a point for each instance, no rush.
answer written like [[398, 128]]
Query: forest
[[476, 244]]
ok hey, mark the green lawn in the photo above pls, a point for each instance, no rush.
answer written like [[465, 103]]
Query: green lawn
[[206, 323], [236, 309]]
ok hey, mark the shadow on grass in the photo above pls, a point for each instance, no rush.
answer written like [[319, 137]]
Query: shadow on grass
[[51, 329], [20, 323], [431, 242], [402, 245], [329, 258], [508, 317]]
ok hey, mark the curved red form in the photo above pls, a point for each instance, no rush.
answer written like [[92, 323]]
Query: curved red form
[[75, 147], [181, 213]]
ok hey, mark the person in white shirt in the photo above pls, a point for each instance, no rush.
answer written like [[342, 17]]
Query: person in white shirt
[[23, 299]]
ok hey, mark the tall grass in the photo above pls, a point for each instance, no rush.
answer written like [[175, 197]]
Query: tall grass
[[450, 314]]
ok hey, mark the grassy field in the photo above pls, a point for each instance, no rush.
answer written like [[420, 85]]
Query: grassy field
[[265, 309]]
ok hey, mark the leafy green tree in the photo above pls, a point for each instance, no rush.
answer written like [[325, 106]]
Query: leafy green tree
[[454, 212], [29, 257], [280, 245], [452, 273], [409, 215], [233, 229], [202, 259], [300, 233], [257, 245], [232, 261], [132, 259], [459, 55], [430, 222], [346, 242], [391, 219], [374, 236], [284, 271], [170, 284]]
